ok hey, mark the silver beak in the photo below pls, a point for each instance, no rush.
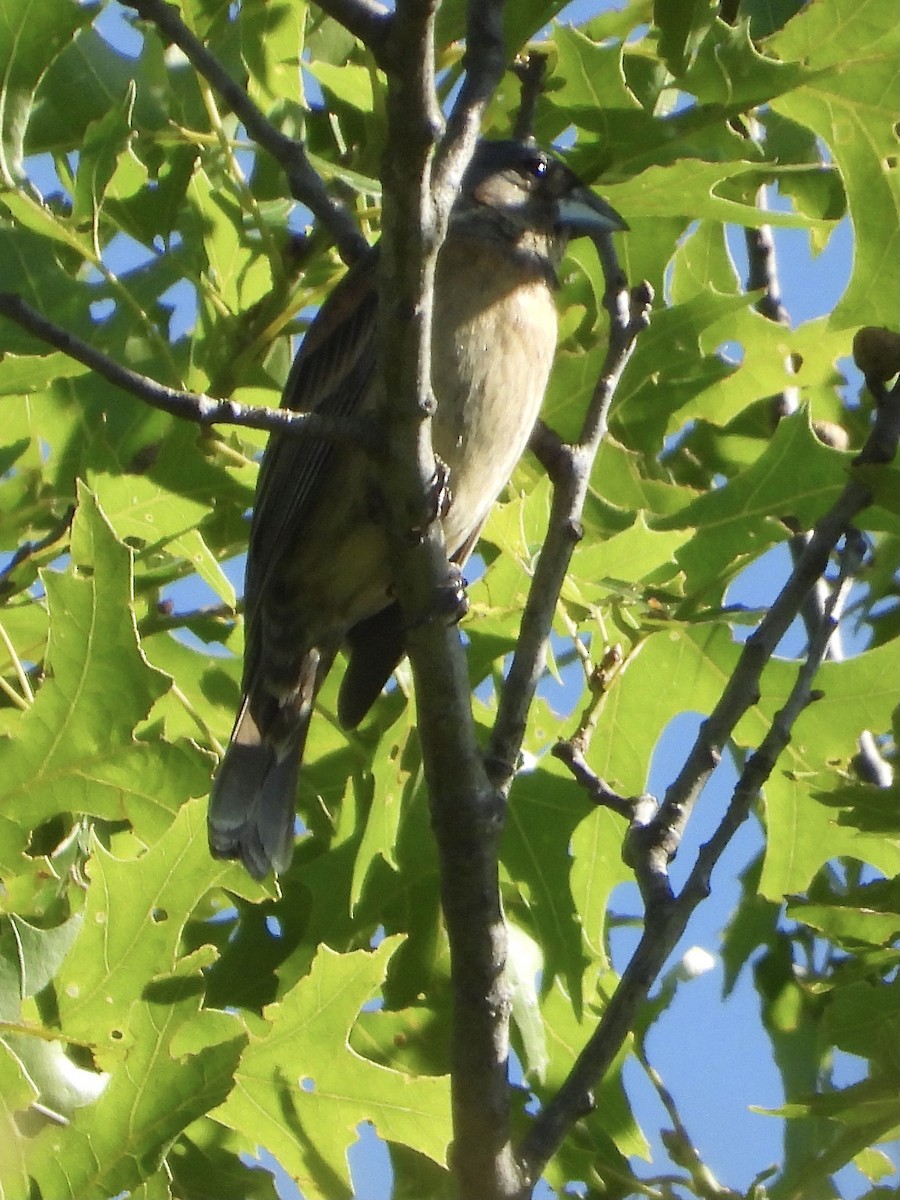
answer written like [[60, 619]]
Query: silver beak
[[581, 212]]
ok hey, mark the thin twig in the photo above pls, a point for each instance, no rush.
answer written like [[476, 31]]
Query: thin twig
[[305, 184], [570, 469], [530, 71], [598, 790], [30, 549], [190, 406]]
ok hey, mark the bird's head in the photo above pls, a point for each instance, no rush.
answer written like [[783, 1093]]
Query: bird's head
[[524, 192]]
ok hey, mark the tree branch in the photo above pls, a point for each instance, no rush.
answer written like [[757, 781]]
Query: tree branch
[[305, 183], [570, 468], [189, 406], [667, 915], [530, 70], [484, 62], [466, 811], [660, 838]]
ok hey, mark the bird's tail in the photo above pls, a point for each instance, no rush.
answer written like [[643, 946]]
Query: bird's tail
[[252, 805]]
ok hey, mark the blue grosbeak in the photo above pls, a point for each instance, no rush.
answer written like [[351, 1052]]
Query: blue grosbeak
[[318, 575]]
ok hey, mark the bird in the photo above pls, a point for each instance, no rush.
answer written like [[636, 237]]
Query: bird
[[318, 576]]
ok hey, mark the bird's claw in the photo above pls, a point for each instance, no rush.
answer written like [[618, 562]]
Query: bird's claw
[[450, 601]]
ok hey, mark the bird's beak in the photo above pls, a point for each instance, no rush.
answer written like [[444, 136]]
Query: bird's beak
[[581, 212]]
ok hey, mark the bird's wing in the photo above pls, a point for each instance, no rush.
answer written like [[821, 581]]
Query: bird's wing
[[333, 374]]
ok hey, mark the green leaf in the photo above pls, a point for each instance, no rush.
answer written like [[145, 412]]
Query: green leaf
[[91, 78], [865, 917], [727, 69], [74, 750], [34, 373], [152, 1095], [795, 477], [849, 103], [204, 1164], [134, 919], [545, 810], [697, 190], [610, 1129], [41, 951], [864, 1019], [32, 33], [16, 1093], [802, 832], [597, 870], [524, 963], [106, 140], [682, 27], [637, 554], [636, 710], [272, 43], [348, 83], [143, 512], [301, 1090]]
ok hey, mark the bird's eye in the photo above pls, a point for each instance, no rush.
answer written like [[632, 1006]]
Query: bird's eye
[[537, 167]]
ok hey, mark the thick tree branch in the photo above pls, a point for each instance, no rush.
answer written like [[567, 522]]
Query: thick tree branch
[[466, 811], [190, 406], [305, 183], [667, 915], [570, 468]]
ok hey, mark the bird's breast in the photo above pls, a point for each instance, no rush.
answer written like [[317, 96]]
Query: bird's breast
[[494, 342]]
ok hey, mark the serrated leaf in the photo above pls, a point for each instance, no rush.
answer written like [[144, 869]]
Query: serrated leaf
[[850, 103], [134, 918], [544, 811], [74, 749], [796, 476], [152, 1095], [302, 1090]]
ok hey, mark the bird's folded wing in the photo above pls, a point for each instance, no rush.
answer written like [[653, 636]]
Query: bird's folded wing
[[332, 374]]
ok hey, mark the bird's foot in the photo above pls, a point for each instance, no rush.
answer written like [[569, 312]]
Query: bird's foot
[[450, 602], [437, 500]]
